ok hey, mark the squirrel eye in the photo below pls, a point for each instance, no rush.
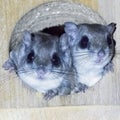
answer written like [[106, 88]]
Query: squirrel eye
[[55, 60], [30, 57], [84, 42]]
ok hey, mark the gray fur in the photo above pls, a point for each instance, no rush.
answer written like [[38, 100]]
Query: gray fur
[[56, 82], [89, 65]]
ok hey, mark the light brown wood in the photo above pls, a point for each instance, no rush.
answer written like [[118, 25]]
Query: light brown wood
[[63, 113], [15, 94]]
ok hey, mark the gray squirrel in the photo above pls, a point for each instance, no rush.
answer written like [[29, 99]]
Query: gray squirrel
[[40, 63], [76, 60], [93, 48]]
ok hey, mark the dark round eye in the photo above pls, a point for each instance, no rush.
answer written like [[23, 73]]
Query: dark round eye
[[84, 42], [30, 57], [55, 60]]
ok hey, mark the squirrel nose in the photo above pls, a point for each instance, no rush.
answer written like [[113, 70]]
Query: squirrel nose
[[41, 70], [101, 53]]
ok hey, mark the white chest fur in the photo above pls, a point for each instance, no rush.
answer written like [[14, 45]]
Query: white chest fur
[[89, 74], [90, 78], [41, 85]]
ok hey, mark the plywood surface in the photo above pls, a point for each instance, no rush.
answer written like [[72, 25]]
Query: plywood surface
[[15, 94], [62, 113]]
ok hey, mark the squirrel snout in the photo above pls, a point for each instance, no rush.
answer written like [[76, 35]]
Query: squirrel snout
[[101, 53]]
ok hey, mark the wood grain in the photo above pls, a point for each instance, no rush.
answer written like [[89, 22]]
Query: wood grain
[[15, 94], [62, 113]]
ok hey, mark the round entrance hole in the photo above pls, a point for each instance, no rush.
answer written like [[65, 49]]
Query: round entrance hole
[[50, 17]]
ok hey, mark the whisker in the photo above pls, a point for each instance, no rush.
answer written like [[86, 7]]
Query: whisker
[[75, 55], [57, 71], [117, 52], [64, 72], [23, 71]]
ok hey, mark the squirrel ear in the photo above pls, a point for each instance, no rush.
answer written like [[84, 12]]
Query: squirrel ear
[[9, 64], [71, 29], [111, 27], [63, 43], [27, 38], [64, 49]]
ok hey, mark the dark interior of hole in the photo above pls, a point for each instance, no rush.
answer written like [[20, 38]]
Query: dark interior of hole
[[54, 30]]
